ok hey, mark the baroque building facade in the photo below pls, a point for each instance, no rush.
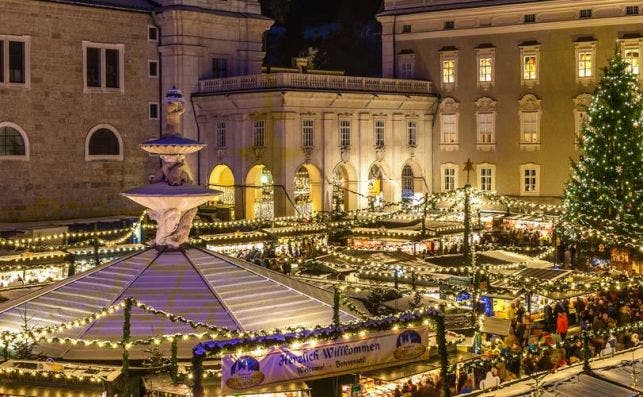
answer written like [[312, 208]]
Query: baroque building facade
[[514, 80], [503, 83]]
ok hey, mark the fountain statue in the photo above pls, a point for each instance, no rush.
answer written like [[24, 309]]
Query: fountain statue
[[171, 197]]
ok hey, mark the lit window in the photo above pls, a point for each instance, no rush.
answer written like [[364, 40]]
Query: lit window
[[449, 128], [448, 71], [259, 133], [345, 133], [307, 133], [221, 134], [103, 143], [632, 56], [379, 133], [485, 128], [530, 111], [484, 67], [411, 133], [529, 68], [13, 142], [529, 127], [103, 65], [14, 60], [585, 64]]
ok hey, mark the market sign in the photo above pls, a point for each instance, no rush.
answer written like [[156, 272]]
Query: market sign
[[329, 358]]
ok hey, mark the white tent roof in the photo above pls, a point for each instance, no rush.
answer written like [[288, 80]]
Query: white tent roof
[[196, 284]]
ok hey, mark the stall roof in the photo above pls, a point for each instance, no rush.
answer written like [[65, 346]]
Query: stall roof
[[199, 285], [543, 274], [9, 387], [403, 371]]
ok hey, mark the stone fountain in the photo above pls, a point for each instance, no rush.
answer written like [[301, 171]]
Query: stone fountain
[[171, 197]]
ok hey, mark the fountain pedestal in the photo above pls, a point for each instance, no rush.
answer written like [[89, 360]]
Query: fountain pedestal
[[171, 198]]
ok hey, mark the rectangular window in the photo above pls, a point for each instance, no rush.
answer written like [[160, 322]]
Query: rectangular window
[[93, 67], [448, 71], [586, 13], [17, 62], [14, 60], [530, 65], [406, 70], [112, 68], [449, 25], [582, 120], [449, 179], [485, 128], [411, 133], [530, 127], [152, 33], [153, 69], [486, 179], [259, 133], [529, 18], [484, 67], [632, 10], [379, 133], [154, 111], [529, 180], [307, 133], [406, 28], [220, 137], [345, 133], [632, 56], [585, 64], [449, 128], [219, 68], [103, 65], [1, 61]]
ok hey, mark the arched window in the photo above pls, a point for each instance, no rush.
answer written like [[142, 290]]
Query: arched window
[[407, 180], [103, 143], [13, 142]]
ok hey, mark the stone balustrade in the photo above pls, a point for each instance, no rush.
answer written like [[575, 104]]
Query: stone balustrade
[[313, 82]]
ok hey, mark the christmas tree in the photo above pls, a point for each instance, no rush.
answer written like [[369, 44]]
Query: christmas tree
[[603, 199]]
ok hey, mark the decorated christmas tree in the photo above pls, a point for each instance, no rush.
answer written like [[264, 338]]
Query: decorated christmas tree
[[603, 201]]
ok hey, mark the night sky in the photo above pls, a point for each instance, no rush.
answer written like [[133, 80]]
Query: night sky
[[344, 34]]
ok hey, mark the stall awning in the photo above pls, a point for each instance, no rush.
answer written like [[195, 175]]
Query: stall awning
[[404, 371]]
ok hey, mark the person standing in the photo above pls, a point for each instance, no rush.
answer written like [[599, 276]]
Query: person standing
[[562, 324], [548, 317]]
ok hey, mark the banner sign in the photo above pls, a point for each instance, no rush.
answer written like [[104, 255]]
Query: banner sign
[[327, 358]]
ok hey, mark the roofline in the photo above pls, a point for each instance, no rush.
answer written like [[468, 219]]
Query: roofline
[[287, 89], [182, 7], [153, 6], [454, 6]]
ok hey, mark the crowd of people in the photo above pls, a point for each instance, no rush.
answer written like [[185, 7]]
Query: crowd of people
[[553, 341]]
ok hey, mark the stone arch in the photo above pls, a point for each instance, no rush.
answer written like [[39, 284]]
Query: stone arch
[[222, 178], [259, 193], [21, 146], [417, 183], [307, 188], [344, 187], [103, 142]]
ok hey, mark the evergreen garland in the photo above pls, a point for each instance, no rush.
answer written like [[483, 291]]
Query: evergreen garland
[[127, 313], [174, 365], [336, 305], [605, 192], [441, 339]]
